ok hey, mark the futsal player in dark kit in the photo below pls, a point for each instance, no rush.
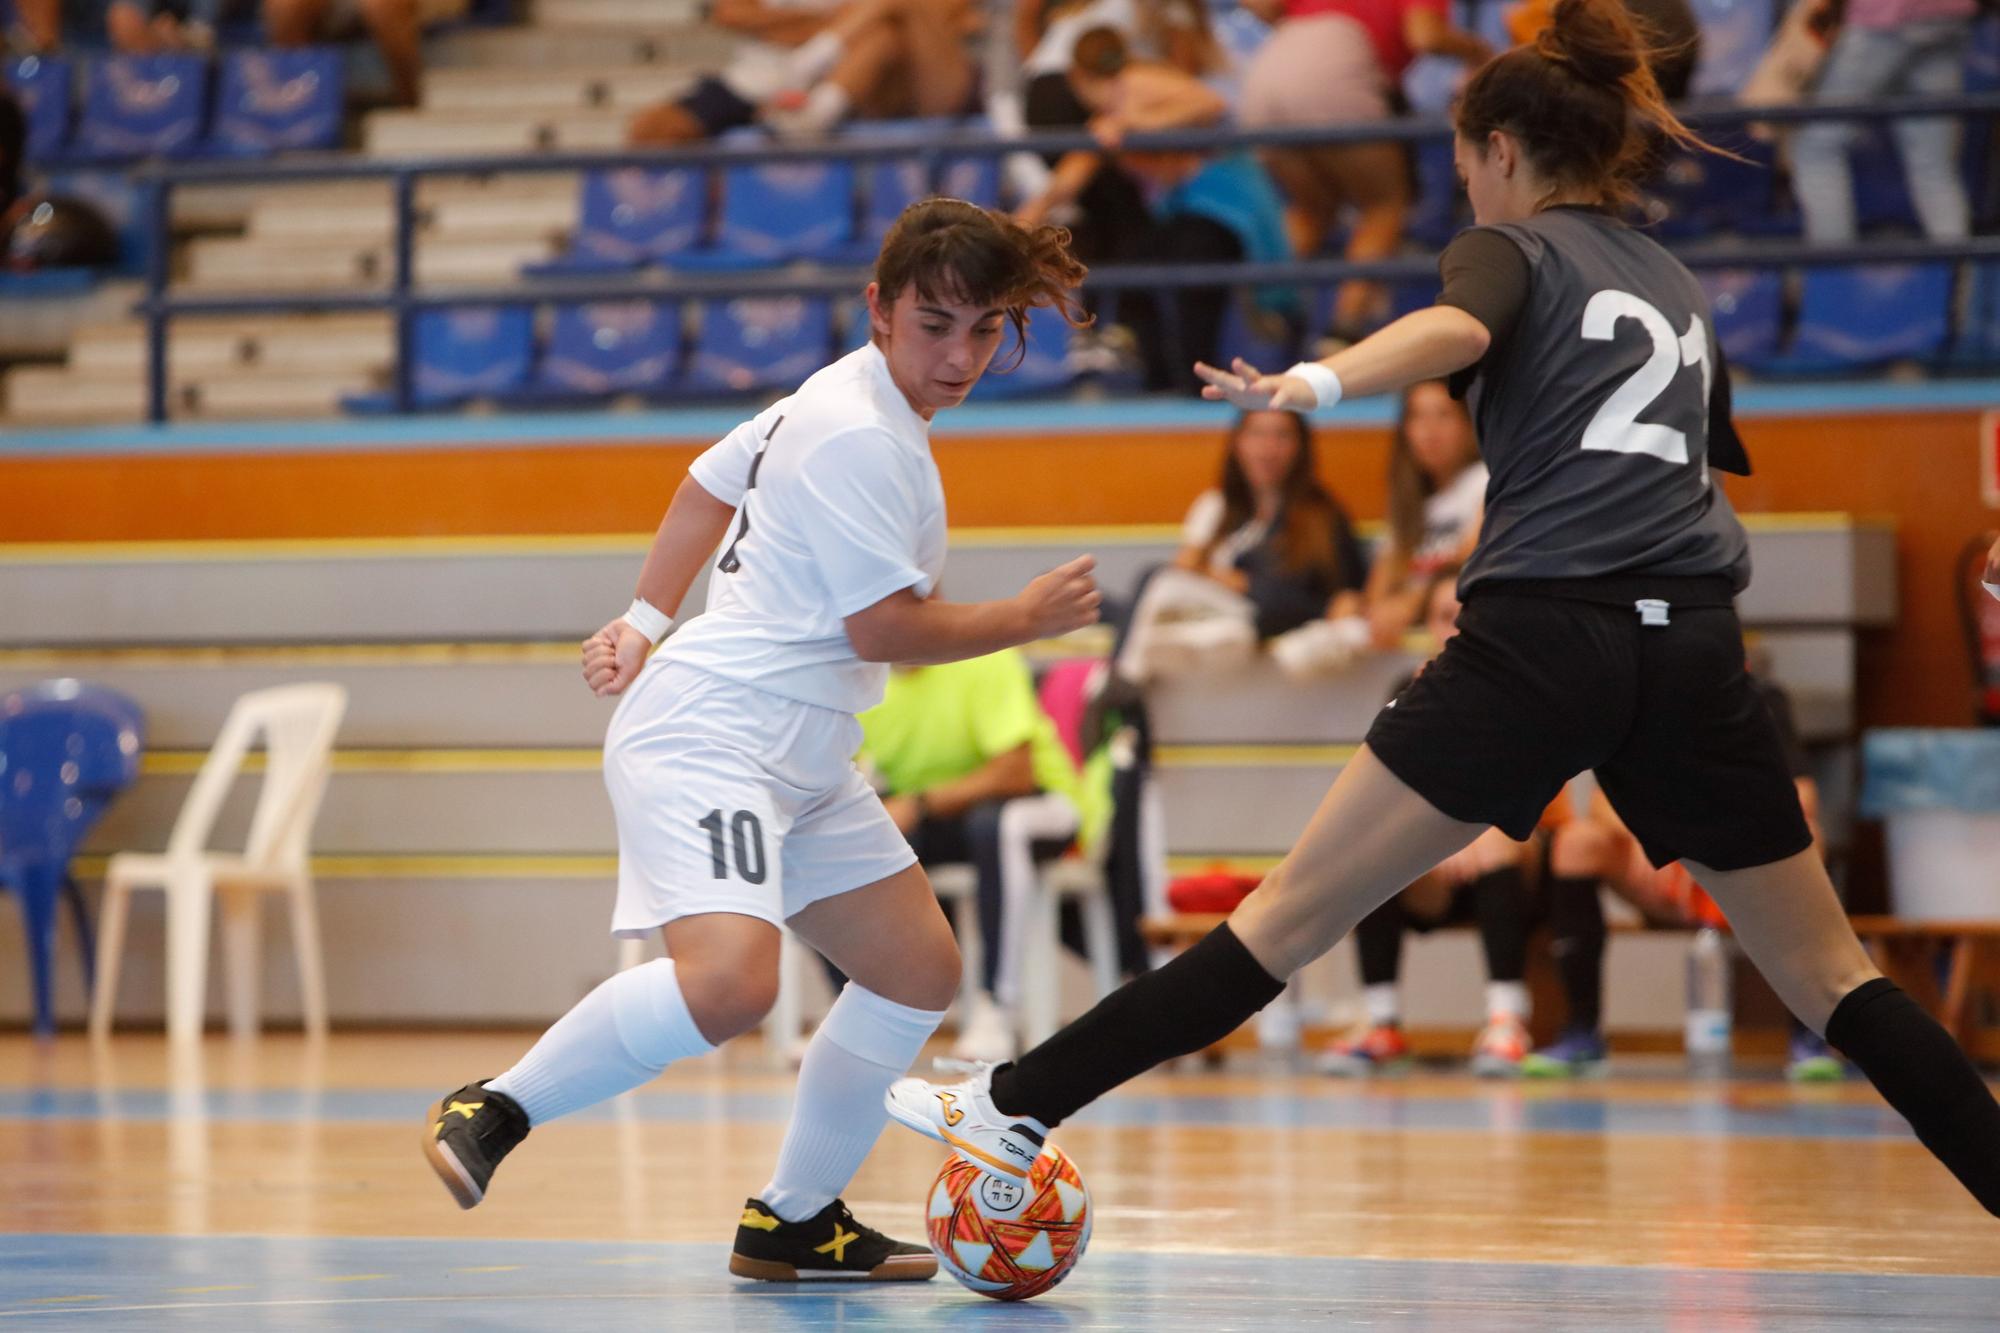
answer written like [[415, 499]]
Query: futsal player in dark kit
[[1598, 629]]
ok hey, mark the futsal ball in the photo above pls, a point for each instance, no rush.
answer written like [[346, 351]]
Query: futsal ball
[[1008, 1239]]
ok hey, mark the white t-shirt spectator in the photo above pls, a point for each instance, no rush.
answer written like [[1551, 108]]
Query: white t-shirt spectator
[[1203, 525], [1448, 515], [839, 505]]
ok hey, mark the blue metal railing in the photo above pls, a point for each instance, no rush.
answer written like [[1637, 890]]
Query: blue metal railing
[[404, 299]]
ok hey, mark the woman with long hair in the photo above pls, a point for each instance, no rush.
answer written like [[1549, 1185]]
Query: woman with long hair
[[1437, 490], [1598, 632]]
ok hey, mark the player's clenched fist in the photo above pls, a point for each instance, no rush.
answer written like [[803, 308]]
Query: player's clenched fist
[[612, 658], [1063, 599]]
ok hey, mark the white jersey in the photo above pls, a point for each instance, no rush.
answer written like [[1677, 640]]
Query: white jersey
[[839, 505]]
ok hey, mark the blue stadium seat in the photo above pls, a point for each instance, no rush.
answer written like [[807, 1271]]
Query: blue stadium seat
[[1881, 187], [760, 343], [628, 219], [779, 213], [1734, 36], [471, 352], [1865, 316], [612, 347], [1748, 306], [1042, 370], [143, 106], [1704, 193], [893, 184], [1433, 218], [120, 198], [44, 85], [279, 101], [1978, 342]]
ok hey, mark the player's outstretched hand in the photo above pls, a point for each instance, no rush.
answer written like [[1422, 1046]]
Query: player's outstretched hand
[[612, 658], [1244, 386], [1063, 599]]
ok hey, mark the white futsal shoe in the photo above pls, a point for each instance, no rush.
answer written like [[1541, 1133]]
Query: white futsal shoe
[[962, 1116]]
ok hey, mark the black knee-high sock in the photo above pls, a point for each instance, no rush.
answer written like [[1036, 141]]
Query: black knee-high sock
[[1378, 943], [1920, 1071], [1500, 897], [1194, 1001], [1576, 938]]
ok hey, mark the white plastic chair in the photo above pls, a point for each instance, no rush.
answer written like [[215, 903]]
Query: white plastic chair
[[297, 725]]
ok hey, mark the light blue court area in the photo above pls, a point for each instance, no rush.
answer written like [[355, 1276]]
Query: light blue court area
[[1716, 1113], [238, 1283]]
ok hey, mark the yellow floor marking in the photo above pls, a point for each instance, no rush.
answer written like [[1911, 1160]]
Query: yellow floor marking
[[357, 1277], [65, 1300]]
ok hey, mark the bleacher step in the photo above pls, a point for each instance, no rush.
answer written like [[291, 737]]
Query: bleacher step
[[537, 88], [451, 133]]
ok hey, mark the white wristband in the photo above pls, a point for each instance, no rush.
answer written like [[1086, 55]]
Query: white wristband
[[1993, 588], [648, 619], [1325, 384]]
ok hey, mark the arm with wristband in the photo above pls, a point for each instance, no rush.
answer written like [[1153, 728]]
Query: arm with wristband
[[694, 526]]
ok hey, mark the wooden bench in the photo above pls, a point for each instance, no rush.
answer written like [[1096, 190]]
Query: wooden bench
[[1914, 954]]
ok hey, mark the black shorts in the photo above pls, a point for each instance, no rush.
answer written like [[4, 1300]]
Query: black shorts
[[717, 107], [1547, 679]]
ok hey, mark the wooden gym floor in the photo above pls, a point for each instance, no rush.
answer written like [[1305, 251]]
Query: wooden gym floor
[[277, 1186]]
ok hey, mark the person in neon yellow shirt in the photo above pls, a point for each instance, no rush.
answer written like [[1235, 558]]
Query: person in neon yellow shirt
[[972, 770]]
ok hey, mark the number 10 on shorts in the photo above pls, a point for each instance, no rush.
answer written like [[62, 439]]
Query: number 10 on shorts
[[746, 838]]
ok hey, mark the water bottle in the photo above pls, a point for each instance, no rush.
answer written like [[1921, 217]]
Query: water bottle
[[1708, 1003]]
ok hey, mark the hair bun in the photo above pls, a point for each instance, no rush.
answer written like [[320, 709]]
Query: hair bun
[[1595, 39]]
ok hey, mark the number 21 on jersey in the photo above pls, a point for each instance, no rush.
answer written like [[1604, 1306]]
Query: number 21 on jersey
[[1616, 428]]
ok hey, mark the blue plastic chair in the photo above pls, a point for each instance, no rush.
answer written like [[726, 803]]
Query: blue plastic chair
[[1748, 307], [1043, 368], [279, 101], [779, 213], [44, 86], [1734, 37], [628, 219], [143, 106], [891, 185], [66, 749], [612, 347], [467, 353], [1868, 315], [759, 343]]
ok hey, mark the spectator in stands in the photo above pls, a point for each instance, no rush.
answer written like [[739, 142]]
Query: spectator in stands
[[973, 771], [1337, 62], [1437, 493], [1597, 849], [150, 27], [1669, 27], [13, 155], [1887, 47], [397, 27], [37, 26], [1486, 883], [1268, 550], [811, 64], [1204, 209]]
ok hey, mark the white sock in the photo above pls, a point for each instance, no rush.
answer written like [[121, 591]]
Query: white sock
[[1385, 1008], [1507, 997], [825, 107], [617, 1037], [814, 59], [865, 1044]]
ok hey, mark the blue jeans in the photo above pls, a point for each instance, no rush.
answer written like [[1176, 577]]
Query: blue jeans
[[1916, 58]]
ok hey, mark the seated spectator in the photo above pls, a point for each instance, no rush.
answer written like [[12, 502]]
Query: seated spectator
[[1597, 849], [153, 27], [973, 771], [1334, 62], [1268, 550], [1486, 883], [1437, 492], [1203, 210], [397, 27], [37, 28], [813, 63], [1889, 48]]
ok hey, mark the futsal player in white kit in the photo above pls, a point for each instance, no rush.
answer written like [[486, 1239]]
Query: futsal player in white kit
[[730, 757]]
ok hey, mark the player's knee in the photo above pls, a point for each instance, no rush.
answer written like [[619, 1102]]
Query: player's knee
[[727, 997], [935, 976]]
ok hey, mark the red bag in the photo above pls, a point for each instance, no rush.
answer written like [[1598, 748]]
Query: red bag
[[1211, 891]]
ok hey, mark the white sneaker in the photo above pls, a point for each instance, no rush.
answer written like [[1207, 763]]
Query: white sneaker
[[962, 1115], [987, 1036], [1502, 1045]]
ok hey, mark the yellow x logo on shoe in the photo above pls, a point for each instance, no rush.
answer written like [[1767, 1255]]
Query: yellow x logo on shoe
[[464, 1108], [838, 1245]]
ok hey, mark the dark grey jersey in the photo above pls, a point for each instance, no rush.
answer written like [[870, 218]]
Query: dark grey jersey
[[1593, 415]]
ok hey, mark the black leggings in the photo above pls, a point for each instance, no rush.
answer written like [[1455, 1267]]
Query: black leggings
[[1174, 334], [1498, 900]]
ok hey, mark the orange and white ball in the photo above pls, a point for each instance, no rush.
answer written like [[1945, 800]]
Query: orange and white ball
[[1006, 1239]]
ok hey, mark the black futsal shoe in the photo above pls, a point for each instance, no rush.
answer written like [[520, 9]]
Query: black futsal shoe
[[466, 1135], [829, 1244]]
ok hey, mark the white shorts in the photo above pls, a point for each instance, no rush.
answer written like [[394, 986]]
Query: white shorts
[[730, 799]]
